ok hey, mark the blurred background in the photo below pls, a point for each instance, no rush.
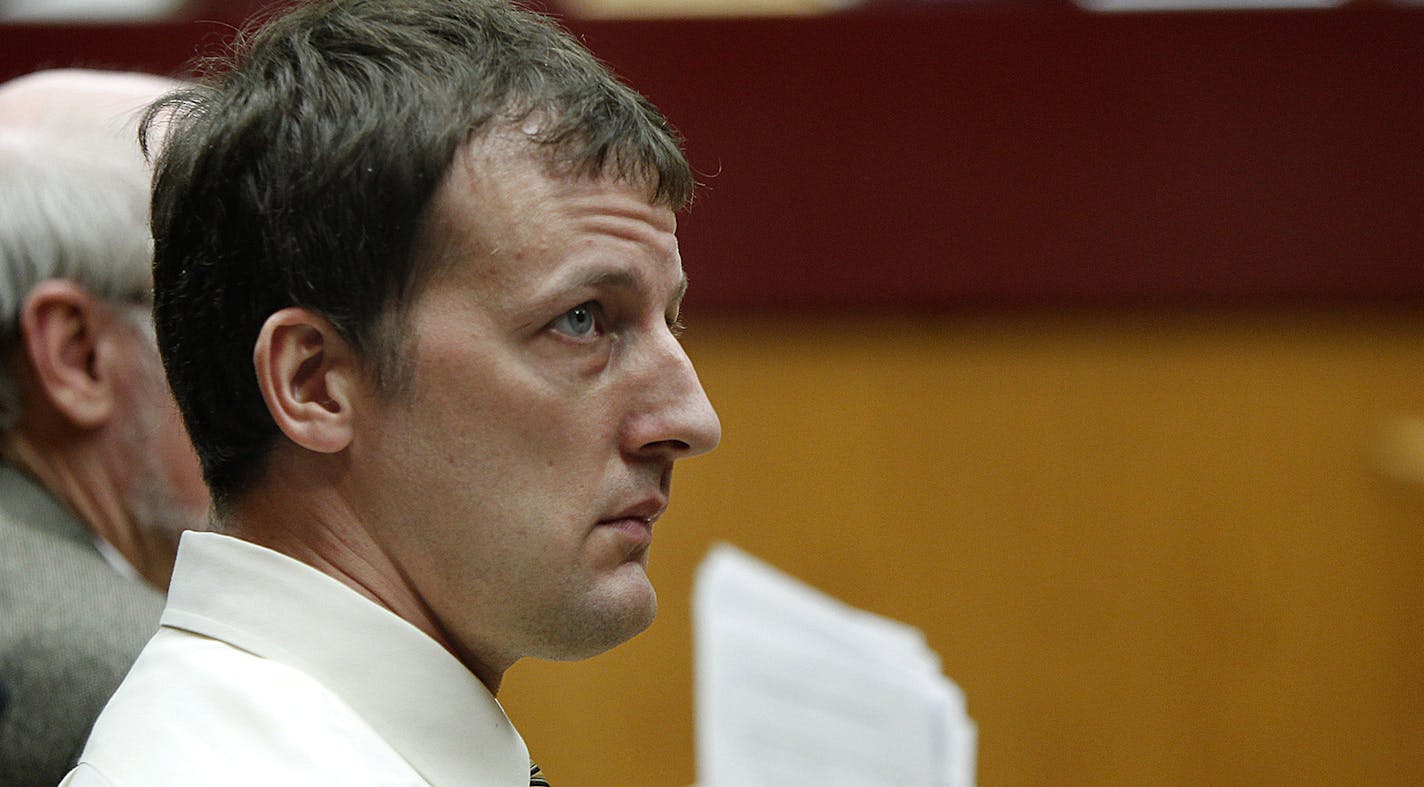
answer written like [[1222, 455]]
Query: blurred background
[[1088, 339]]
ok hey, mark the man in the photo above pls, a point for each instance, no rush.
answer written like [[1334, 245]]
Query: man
[[417, 295], [96, 474]]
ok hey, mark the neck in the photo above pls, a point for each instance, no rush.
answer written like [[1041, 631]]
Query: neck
[[74, 471], [298, 514]]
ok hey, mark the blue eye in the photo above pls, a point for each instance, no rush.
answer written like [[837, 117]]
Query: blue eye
[[580, 322]]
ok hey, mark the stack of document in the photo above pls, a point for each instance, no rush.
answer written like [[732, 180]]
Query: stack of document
[[797, 688]]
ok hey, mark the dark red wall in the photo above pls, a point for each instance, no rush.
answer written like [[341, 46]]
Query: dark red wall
[[1010, 158]]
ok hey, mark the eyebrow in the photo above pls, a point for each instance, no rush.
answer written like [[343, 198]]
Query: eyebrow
[[632, 280]]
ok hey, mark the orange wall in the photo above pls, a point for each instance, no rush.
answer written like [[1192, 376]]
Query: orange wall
[[1152, 549]]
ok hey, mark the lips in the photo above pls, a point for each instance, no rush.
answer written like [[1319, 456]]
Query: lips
[[636, 521], [646, 511]]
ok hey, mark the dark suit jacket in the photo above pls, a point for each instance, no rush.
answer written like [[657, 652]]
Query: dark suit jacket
[[70, 626]]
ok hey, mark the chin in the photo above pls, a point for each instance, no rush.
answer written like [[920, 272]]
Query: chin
[[606, 624]]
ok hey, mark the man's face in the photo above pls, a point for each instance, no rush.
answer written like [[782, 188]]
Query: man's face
[[514, 480], [163, 489]]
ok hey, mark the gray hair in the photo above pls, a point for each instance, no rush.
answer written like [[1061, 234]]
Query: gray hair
[[73, 209]]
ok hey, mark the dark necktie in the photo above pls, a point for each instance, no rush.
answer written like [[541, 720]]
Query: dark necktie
[[536, 776]]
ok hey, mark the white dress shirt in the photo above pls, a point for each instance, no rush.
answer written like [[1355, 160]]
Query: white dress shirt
[[268, 672]]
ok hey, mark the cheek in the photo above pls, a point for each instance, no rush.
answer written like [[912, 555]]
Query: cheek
[[504, 435], [181, 463], [501, 408], [167, 444]]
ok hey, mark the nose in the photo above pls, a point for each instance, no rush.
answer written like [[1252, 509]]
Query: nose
[[673, 418]]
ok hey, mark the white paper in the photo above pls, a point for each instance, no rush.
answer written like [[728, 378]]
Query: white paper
[[797, 688]]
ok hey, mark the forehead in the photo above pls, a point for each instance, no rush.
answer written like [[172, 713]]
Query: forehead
[[502, 200], [73, 102]]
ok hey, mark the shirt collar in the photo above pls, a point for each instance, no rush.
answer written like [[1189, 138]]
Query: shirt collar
[[407, 687], [116, 559]]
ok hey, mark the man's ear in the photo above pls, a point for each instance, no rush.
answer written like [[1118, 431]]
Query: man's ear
[[308, 375], [65, 329]]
